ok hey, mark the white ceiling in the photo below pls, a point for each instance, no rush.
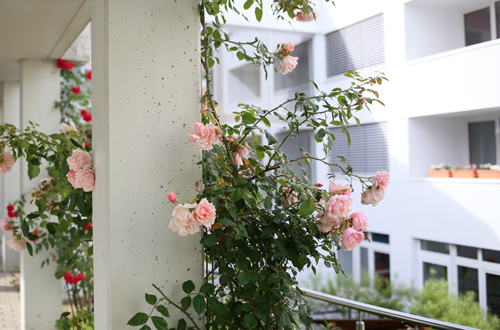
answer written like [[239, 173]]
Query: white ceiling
[[461, 5]]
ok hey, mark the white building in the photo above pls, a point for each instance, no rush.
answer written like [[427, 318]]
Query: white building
[[442, 105]]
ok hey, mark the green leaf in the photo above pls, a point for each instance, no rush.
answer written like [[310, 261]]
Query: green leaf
[[163, 310], [138, 319], [217, 307], [65, 314], [238, 194], [248, 4], [188, 286], [270, 138], [207, 288], [76, 242], [304, 317], [159, 323], [249, 321], [240, 55], [181, 325], [145, 327], [76, 143], [151, 299], [33, 171], [199, 303], [209, 240], [51, 227], [185, 303], [307, 207], [258, 13], [215, 6], [30, 248]]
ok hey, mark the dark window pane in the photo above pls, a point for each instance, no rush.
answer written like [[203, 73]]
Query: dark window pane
[[467, 252], [491, 256], [477, 26], [468, 281], [482, 147], [493, 293], [497, 14], [364, 260], [382, 265], [381, 238], [435, 272], [435, 246]]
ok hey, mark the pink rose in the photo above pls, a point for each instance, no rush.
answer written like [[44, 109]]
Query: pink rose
[[303, 17], [381, 179], [205, 135], [359, 221], [6, 162], [289, 47], [72, 178], [183, 221], [79, 160], [288, 64], [171, 197], [372, 196], [204, 213], [17, 243], [339, 189], [324, 224], [85, 179], [337, 208], [6, 224], [351, 238], [237, 160], [292, 197], [243, 151]]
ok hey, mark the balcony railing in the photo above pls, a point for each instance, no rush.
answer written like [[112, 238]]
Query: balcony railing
[[414, 320]]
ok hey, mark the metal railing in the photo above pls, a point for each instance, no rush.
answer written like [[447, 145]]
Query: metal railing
[[384, 312]]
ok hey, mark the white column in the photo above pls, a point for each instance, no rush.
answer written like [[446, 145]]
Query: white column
[[11, 188], [146, 90], [41, 294]]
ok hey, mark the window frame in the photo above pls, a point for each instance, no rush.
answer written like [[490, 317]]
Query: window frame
[[493, 22]]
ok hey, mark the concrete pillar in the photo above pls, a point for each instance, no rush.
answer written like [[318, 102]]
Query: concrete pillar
[[146, 96], [11, 188], [41, 294]]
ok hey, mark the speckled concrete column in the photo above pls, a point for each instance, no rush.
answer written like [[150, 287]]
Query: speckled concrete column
[[146, 90], [41, 294], [11, 113]]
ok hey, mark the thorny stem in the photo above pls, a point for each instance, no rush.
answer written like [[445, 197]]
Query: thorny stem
[[177, 306]]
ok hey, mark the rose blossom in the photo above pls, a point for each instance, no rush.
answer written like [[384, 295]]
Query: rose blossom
[[237, 160], [72, 178], [6, 162], [76, 90], [351, 238], [61, 64], [17, 243], [183, 221], [79, 160], [205, 135], [85, 179], [68, 128], [303, 17], [89, 75], [292, 198], [334, 188], [288, 64], [6, 224], [171, 197], [381, 179], [359, 221], [338, 207], [289, 47], [372, 196], [243, 151], [204, 213]]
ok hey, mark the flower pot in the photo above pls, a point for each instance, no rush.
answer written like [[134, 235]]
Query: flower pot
[[440, 173], [464, 174], [488, 174]]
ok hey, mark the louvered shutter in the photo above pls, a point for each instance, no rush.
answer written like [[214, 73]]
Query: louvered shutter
[[355, 47], [299, 75], [305, 140], [368, 152]]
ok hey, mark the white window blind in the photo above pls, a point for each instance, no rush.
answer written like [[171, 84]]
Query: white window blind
[[368, 152], [355, 47], [305, 139], [299, 75]]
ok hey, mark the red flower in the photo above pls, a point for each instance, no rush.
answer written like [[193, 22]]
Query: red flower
[[53, 259], [76, 89], [83, 112], [70, 65], [87, 227], [12, 214], [320, 185], [86, 143], [87, 117], [61, 64], [10, 207], [89, 75], [73, 280], [36, 232]]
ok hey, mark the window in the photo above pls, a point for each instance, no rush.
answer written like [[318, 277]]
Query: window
[[482, 146], [368, 152], [468, 280], [435, 246], [244, 82], [467, 252], [355, 47], [300, 75], [493, 293], [291, 150], [435, 272], [477, 26], [373, 260]]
